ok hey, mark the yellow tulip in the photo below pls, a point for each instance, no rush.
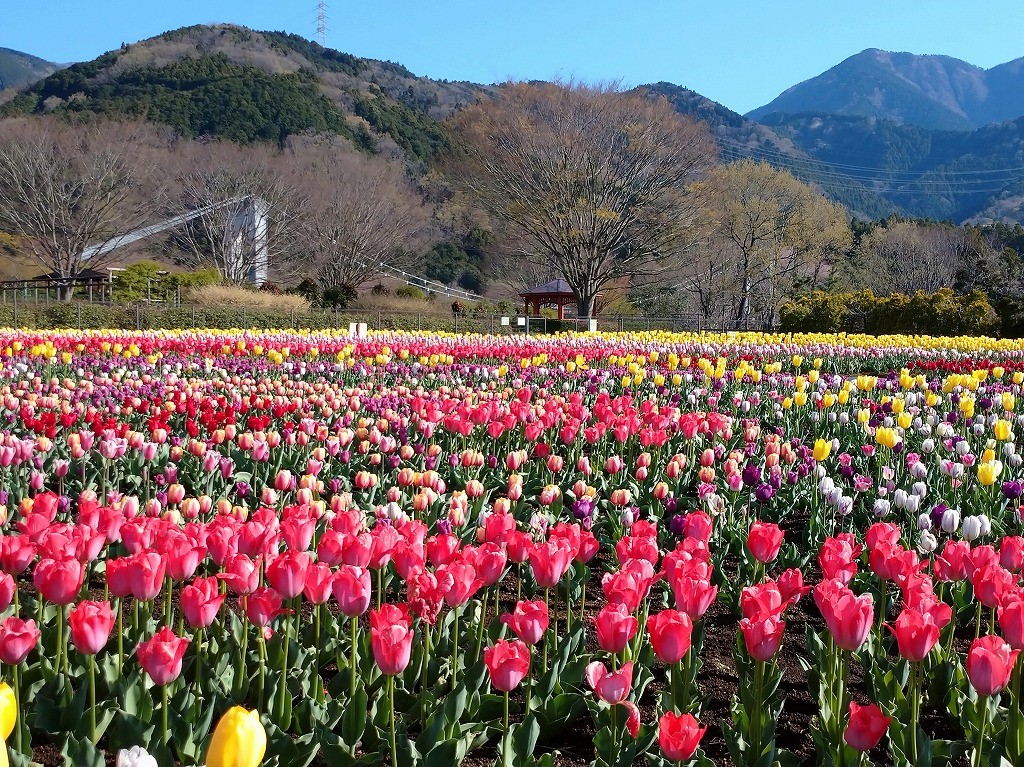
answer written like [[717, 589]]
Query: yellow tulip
[[8, 711], [1002, 429], [989, 472], [822, 449], [238, 741]]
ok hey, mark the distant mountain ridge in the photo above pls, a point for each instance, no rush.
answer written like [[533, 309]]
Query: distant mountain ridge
[[928, 91], [19, 69], [247, 86]]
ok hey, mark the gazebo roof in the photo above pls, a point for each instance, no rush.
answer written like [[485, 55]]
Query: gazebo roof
[[557, 287]]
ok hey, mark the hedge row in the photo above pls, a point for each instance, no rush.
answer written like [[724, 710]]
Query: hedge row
[[96, 316], [942, 313]]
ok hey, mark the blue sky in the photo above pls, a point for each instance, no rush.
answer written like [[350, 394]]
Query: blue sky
[[741, 53]]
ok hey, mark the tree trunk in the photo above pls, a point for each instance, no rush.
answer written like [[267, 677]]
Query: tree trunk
[[585, 305]]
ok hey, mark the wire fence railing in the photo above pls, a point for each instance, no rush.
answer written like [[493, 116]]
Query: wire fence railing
[[143, 315]]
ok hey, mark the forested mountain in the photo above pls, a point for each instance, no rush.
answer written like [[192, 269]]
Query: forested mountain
[[937, 92], [19, 69], [247, 86]]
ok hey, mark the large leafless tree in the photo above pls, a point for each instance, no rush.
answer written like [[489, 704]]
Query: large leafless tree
[[72, 193], [594, 184], [362, 212]]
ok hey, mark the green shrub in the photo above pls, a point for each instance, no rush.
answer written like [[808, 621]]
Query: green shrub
[[942, 313], [410, 291]]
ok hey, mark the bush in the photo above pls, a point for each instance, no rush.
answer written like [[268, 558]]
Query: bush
[[942, 313], [338, 297], [410, 291]]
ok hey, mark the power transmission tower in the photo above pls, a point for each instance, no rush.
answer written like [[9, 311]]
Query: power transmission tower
[[321, 23]]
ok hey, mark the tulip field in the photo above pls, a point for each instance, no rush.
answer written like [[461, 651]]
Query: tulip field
[[285, 548]]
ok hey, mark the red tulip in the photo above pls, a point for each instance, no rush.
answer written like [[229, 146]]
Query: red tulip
[[990, 583], [990, 663], [262, 606], [17, 638], [529, 621], [762, 636], [916, 634], [679, 735], [146, 575], [550, 560], [7, 589], [632, 718], [791, 587], [882, 534], [1011, 553], [589, 546], [241, 574], [287, 573], [59, 580], [693, 595], [1011, 619], [488, 559], [91, 624], [764, 541], [425, 593], [508, 663], [200, 601], [319, 583], [441, 549], [615, 627], [671, 632], [329, 548], [464, 583], [610, 686], [867, 726], [183, 557], [351, 589], [848, 617], [838, 558], [16, 553], [160, 656], [952, 564], [761, 599], [391, 638]]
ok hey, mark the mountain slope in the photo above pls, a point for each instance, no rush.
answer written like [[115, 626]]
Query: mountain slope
[[954, 175], [246, 86], [740, 138], [937, 92], [19, 69]]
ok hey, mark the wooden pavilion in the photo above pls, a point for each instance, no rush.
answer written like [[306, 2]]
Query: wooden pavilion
[[554, 293]]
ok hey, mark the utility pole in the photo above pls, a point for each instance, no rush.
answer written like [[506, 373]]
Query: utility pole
[[321, 23]]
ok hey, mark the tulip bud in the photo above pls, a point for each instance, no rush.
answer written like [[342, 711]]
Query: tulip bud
[[238, 741]]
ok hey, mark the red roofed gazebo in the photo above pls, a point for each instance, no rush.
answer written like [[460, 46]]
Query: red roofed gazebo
[[556, 293]]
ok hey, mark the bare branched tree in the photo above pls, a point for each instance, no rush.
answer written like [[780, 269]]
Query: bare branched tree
[[73, 192], [595, 184], [914, 256], [362, 212], [768, 230], [244, 206]]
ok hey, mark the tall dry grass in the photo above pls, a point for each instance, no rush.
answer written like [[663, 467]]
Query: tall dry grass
[[242, 298]]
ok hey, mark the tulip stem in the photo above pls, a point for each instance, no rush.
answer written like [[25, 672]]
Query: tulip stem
[[120, 636], [263, 671], [391, 695], [983, 702], [547, 597], [163, 716], [92, 698], [755, 730], [455, 647], [914, 703], [529, 679], [480, 630], [505, 735], [583, 597], [284, 674], [352, 658], [16, 674]]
